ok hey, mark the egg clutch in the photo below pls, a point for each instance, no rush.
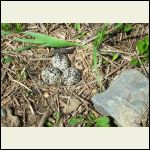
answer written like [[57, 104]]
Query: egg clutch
[[60, 71]]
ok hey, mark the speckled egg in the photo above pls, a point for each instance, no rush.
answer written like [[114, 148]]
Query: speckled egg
[[60, 61], [71, 76], [51, 75]]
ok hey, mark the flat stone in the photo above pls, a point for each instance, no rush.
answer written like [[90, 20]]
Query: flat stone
[[126, 99]]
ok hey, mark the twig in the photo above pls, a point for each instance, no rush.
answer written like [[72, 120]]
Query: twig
[[93, 38], [10, 92], [71, 30], [42, 59], [116, 70], [11, 79], [43, 27], [43, 119], [4, 72], [89, 40], [35, 83], [109, 61], [77, 96], [10, 71], [143, 67], [63, 51], [16, 101], [36, 87], [4, 102], [116, 51], [29, 105], [94, 111], [21, 84], [3, 75], [85, 84]]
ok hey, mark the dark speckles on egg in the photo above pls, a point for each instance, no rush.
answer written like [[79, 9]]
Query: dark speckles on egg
[[60, 61], [51, 75], [71, 76]]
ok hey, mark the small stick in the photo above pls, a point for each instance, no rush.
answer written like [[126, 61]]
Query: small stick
[[116, 69], [4, 72], [35, 85], [4, 102], [16, 101], [94, 111], [143, 67], [3, 75], [21, 84], [85, 84], [10, 92], [89, 40], [110, 61], [34, 82], [11, 79], [29, 105], [77, 96], [7, 69], [116, 51], [93, 38], [43, 119], [63, 51], [42, 59], [43, 27]]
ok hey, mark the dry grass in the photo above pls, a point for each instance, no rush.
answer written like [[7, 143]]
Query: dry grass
[[30, 99]]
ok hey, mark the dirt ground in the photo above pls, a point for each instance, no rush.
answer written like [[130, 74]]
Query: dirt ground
[[30, 102]]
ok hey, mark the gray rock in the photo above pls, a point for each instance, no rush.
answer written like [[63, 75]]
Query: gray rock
[[126, 99], [3, 112]]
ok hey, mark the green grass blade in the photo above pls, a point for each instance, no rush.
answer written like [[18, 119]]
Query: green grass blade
[[57, 116], [100, 36], [77, 26], [39, 35], [60, 43], [118, 26], [6, 60], [98, 41], [20, 49], [128, 28], [95, 58], [50, 40], [115, 57], [6, 32], [33, 41], [46, 40]]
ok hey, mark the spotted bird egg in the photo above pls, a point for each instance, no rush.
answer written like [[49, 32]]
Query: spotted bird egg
[[51, 75], [71, 76], [60, 61]]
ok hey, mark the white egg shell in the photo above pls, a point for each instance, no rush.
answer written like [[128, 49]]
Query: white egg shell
[[51, 75], [71, 76], [60, 61]]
